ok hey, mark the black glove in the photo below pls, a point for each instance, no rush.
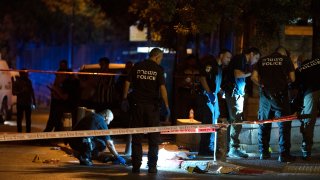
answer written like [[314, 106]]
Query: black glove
[[119, 160], [296, 105]]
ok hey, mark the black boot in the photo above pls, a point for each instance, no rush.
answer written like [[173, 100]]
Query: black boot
[[306, 155], [286, 157], [265, 156]]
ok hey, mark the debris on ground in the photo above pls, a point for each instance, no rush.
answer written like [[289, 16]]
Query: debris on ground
[[196, 169], [51, 161], [226, 170], [37, 159], [55, 148]]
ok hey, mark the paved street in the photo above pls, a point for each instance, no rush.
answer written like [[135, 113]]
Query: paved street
[[43, 159]]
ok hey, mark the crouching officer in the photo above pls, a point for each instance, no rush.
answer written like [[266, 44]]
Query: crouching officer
[[207, 102], [89, 147]]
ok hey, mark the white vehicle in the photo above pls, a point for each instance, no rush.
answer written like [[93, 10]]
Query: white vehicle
[[7, 99], [112, 67]]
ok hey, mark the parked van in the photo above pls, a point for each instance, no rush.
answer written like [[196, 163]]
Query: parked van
[[7, 99], [113, 67], [88, 88], [88, 82]]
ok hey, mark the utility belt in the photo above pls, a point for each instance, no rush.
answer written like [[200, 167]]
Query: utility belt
[[194, 90], [186, 90], [275, 94], [204, 92]]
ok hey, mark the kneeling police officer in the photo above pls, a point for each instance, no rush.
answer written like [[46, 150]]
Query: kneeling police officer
[[89, 147]]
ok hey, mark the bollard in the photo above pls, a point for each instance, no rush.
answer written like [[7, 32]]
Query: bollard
[[189, 141], [67, 122]]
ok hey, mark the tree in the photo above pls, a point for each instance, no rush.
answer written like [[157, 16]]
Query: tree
[[316, 28], [118, 17], [269, 18], [88, 19], [47, 22], [176, 21]]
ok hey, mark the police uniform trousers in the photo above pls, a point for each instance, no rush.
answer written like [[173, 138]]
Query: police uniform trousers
[[27, 110], [277, 103], [310, 106], [57, 108], [235, 110], [87, 147], [207, 113], [145, 115]]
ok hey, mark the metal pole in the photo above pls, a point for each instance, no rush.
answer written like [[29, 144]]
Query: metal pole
[[70, 37]]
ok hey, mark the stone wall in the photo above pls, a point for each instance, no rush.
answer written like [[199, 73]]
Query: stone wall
[[249, 137], [249, 133]]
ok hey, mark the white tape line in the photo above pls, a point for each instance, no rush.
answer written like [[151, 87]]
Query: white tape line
[[191, 131], [64, 72], [86, 133], [163, 129]]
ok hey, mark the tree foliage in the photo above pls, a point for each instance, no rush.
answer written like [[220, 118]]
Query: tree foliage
[[116, 12], [189, 17], [171, 18], [50, 22], [88, 20]]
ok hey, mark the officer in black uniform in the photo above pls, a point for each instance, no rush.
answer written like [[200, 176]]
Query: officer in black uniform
[[307, 77], [23, 89], [207, 102], [271, 74], [146, 79], [234, 86], [88, 147]]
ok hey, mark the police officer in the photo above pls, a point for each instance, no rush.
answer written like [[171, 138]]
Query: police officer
[[89, 147], [234, 87], [146, 79], [310, 88], [23, 89], [207, 103], [271, 74], [58, 98]]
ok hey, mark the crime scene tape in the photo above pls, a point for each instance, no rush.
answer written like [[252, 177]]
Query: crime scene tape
[[181, 129], [85, 133], [63, 72], [191, 131], [281, 119]]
